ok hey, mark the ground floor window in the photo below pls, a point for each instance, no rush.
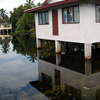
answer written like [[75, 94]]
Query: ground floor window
[[70, 14], [43, 18], [97, 13]]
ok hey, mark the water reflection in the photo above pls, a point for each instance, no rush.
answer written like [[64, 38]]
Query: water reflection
[[59, 81], [53, 76], [16, 71], [25, 46], [5, 46]]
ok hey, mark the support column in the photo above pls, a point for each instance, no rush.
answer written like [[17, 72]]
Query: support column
[[38, 41], [3, 37], [87, 51], [39, 54], [57, 46], [58, 59], [88, 67]]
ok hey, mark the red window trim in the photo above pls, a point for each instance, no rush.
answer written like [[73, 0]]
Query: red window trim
[[42, 18], [73, 15], [96, 13]]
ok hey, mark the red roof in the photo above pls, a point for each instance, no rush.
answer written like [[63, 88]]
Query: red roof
[[49, 5]]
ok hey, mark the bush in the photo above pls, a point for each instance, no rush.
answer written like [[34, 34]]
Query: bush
[[32, 30], [12, 33]]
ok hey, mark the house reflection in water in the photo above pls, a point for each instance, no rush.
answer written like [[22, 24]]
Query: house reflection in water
[[67, 81]]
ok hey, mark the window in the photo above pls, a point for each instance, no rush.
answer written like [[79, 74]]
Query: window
[[97, 13], [40, 18], [64, 15], [43, 18], [70, 14], [76, 14], [6, 25]]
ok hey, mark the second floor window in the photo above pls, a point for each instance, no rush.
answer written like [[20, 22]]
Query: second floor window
[[97, 13], [70, 14], [6, 25], [43, 18]]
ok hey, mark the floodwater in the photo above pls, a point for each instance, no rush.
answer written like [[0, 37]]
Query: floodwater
[[30, 74]]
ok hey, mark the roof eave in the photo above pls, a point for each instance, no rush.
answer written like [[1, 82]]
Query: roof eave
[[49, 5]]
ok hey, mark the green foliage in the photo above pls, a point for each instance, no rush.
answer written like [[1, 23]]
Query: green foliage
[[5, 46], [26, 45], [30, 3], [32, 30], [48, 48], [3, 16], [1, 21], [33, 35], [16, 14], [12, 33], [24, 23]]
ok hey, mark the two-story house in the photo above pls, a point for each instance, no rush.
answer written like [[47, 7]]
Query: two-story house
[[75, 21], [5, 29]]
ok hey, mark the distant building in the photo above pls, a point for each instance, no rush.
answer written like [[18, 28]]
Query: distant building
[[5, 29], [75, 21]]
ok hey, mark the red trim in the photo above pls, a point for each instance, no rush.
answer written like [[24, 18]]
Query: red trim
[[49, 5]]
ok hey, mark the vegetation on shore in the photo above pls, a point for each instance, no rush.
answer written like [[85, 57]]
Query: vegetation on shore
[[23, 23]]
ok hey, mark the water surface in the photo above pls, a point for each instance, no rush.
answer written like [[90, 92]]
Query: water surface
[[30, 74]]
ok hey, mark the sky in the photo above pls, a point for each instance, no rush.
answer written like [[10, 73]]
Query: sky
[[10, 4]]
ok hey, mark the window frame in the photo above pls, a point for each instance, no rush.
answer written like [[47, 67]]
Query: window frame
[[42, 18], [72, 16], [96, 13]]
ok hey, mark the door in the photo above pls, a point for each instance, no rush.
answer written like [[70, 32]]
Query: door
[[55, 21]]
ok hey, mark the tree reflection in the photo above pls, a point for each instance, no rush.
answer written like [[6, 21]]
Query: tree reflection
[[5, 46], [26, 46], [48, 48]]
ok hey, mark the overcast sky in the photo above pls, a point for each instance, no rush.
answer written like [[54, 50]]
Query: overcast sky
[[10, 4]]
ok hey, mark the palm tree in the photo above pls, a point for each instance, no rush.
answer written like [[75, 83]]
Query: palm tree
[[3, 13], [29, 2]]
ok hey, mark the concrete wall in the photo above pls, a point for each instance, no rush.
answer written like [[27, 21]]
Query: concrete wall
[[87, 31], [2, 27], [3, 37]]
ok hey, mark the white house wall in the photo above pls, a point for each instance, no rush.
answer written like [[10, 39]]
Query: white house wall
[[87, 31]]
